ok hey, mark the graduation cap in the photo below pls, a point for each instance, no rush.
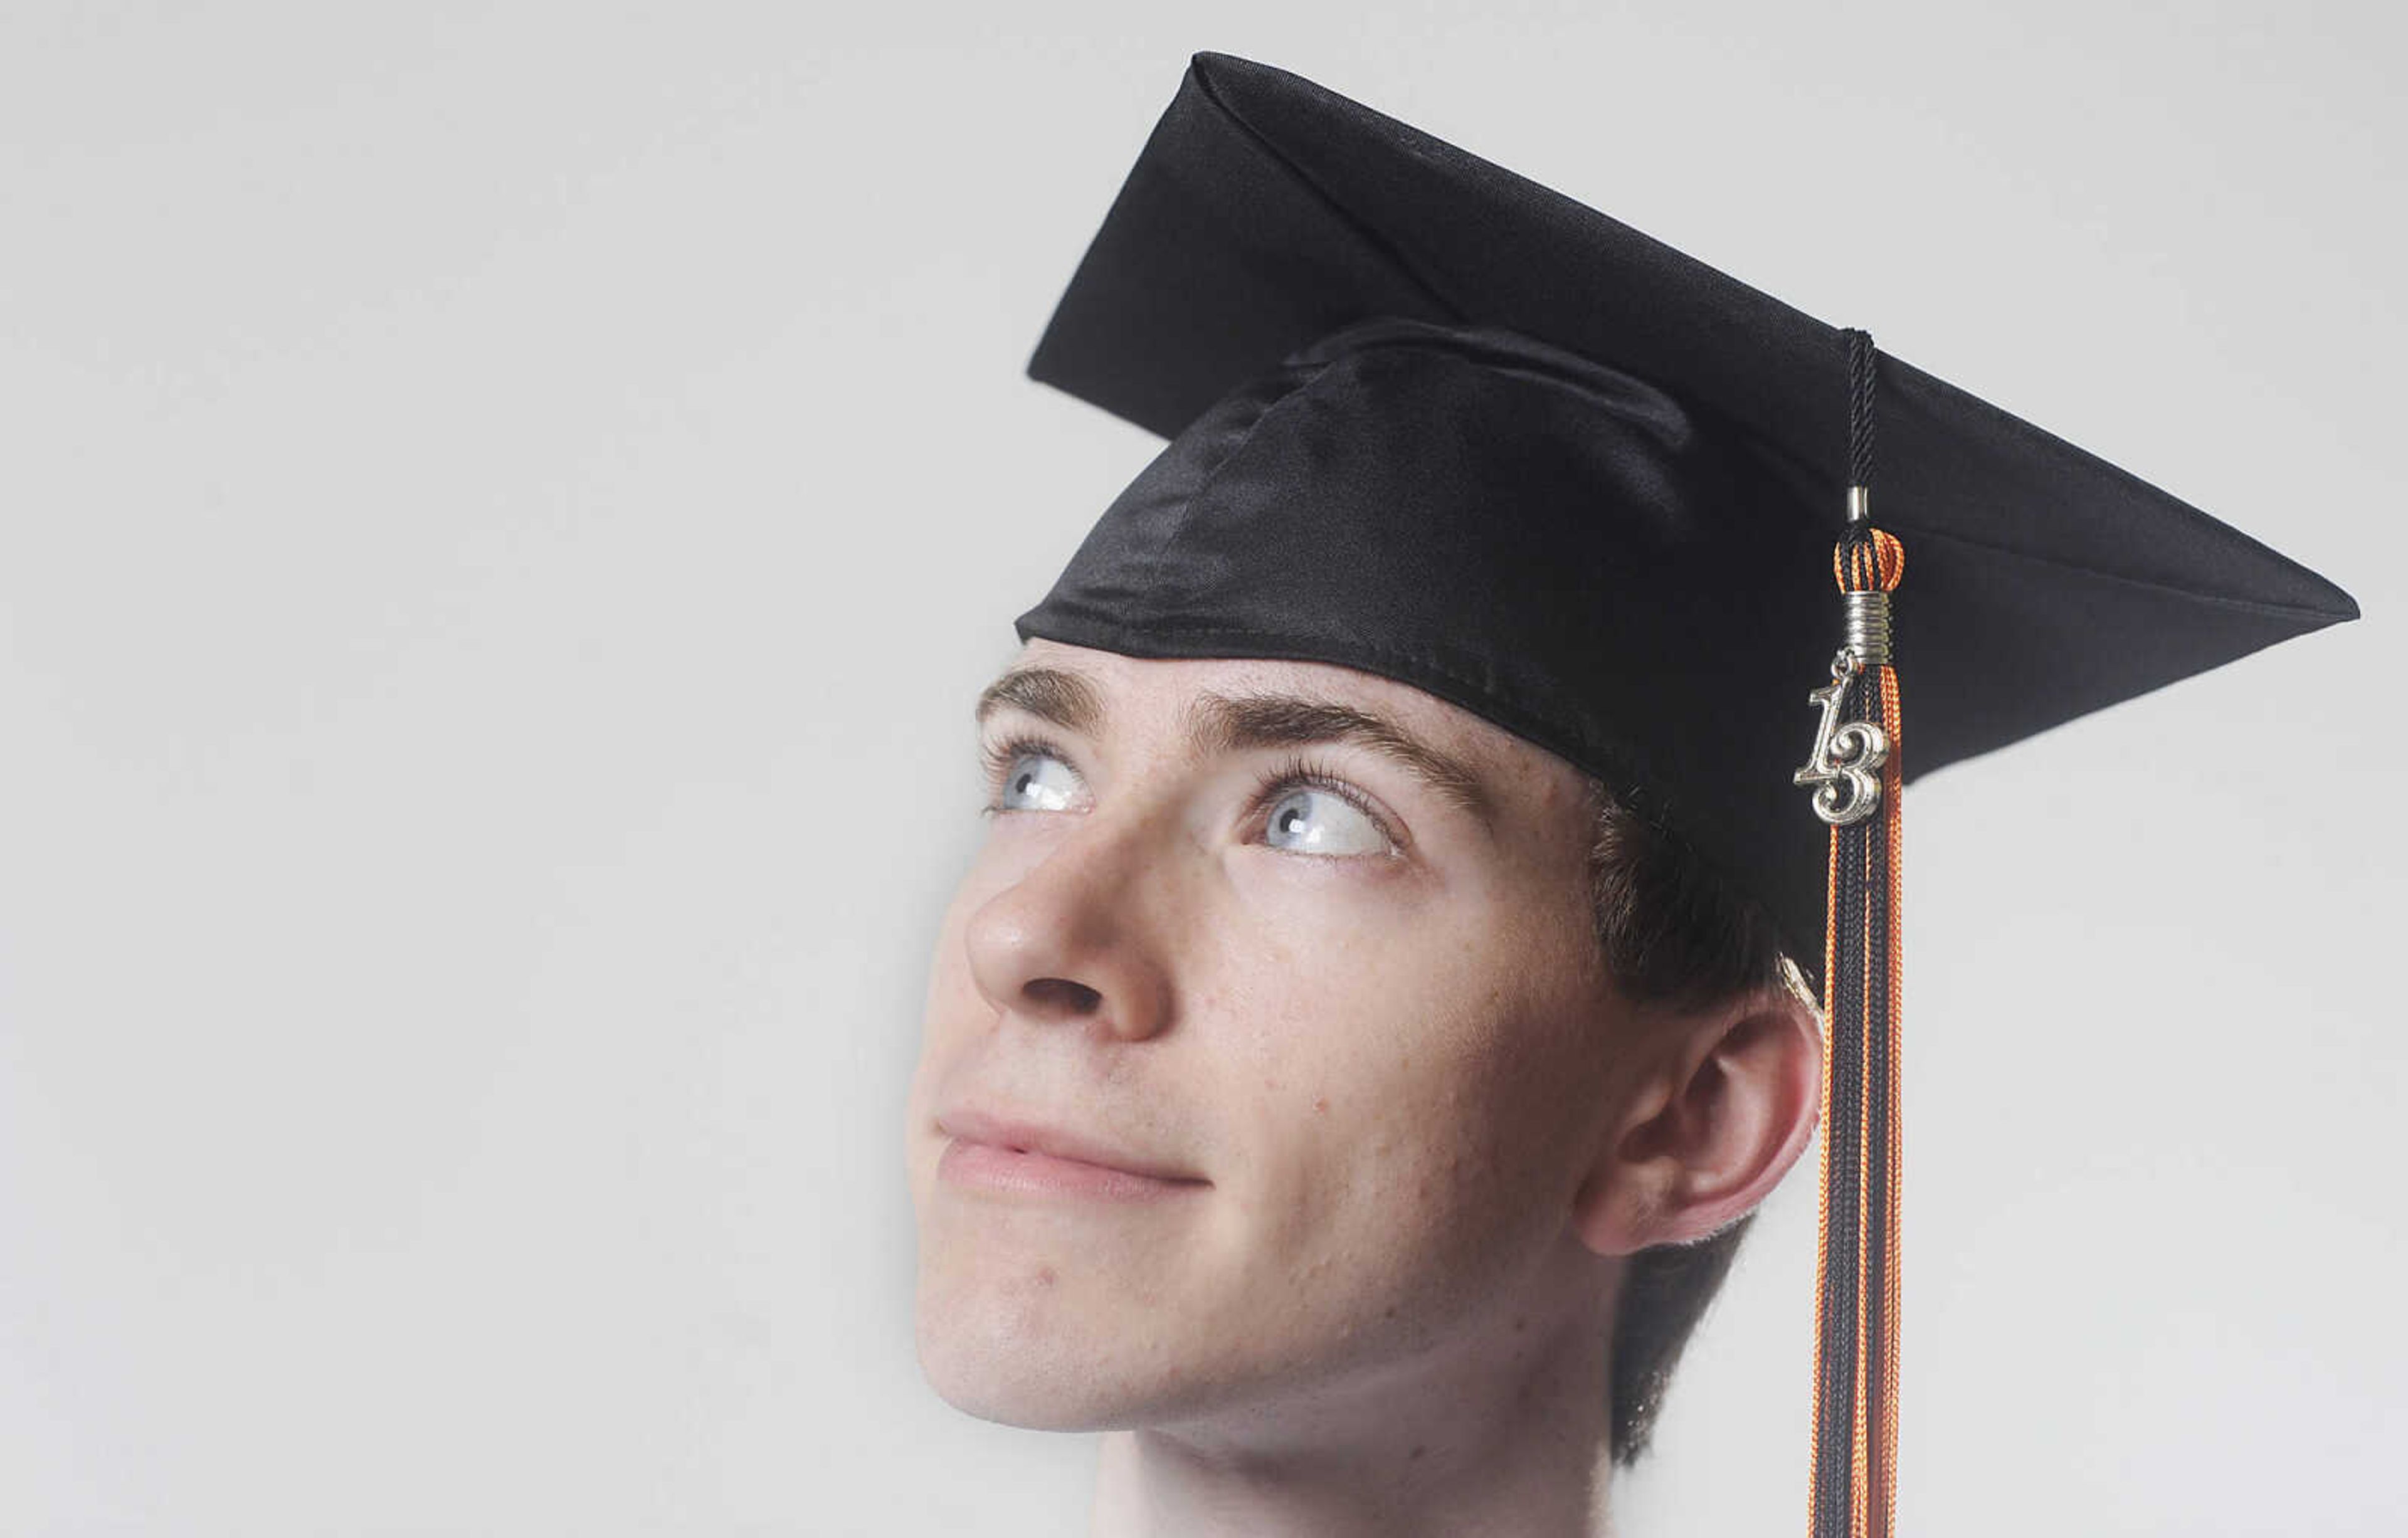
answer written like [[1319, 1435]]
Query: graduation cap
[[1435, 422]]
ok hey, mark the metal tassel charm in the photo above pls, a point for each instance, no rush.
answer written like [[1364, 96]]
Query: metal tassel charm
[[1846, 752]]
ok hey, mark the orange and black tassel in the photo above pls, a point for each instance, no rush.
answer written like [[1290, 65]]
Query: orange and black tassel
[[1855, 770]]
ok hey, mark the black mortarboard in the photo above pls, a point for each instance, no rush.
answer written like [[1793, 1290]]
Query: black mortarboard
[[1433, 420]]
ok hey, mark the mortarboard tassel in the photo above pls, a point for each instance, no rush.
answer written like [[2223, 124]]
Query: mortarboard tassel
[[1855, 770]]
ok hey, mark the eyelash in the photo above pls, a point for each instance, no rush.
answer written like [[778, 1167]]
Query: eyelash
[[998, 757]]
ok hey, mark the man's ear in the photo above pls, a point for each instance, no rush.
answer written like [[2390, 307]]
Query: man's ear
[[1709, 1132]]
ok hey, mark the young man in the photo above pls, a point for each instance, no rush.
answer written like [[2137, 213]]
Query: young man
[[1320, 956], [1353, 1050]]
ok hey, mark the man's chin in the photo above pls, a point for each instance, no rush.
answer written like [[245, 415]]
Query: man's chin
[[1033, 1396], [1089, 1384]]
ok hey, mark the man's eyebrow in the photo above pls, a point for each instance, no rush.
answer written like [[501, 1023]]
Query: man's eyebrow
[[1223, 724], [1049, 693], [1227, 723]]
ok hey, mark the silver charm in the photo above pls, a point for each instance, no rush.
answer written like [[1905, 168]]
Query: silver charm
[[1846, 753]]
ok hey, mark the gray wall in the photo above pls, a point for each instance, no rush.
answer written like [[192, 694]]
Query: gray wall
[[507, 507]]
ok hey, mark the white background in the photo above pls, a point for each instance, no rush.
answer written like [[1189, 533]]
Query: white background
[[507, 509]]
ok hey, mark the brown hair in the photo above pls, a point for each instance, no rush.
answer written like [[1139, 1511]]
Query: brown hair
[[1674, 931]]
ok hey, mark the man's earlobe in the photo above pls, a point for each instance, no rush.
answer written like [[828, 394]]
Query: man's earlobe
[[1706, 1137]]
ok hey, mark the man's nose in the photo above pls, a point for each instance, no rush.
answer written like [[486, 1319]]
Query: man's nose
[[1079, 938]]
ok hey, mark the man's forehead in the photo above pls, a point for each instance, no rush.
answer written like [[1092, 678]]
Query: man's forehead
[[1166, 687]]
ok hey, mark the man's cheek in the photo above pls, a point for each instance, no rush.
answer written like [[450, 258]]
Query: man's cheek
[[1365, 1164]]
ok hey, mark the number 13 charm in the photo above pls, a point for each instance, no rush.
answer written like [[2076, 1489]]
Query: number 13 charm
[[1846, 753]]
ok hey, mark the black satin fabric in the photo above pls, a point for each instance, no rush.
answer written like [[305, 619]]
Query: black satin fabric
[[1438, 423], [1555, 545]]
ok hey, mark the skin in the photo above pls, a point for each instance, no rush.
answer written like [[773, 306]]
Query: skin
[[1432, 1128]]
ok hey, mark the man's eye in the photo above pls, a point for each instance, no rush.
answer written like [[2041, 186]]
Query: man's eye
[[1312, 820], [1034, 780], [1304, 810]]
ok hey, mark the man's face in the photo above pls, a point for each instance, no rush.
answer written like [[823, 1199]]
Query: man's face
[[1375, 1040]]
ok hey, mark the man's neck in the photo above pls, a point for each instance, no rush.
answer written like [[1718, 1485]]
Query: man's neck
[[1506, 1440]]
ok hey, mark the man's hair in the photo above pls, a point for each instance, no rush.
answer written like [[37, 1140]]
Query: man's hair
[[1675, 931]]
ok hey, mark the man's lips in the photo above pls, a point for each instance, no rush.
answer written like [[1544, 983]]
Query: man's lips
[[994, 1149]]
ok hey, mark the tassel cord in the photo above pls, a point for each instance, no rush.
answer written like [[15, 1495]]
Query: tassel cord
[[1853, 1468]]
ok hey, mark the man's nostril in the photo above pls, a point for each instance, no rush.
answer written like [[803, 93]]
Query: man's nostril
[[1064, 994]]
